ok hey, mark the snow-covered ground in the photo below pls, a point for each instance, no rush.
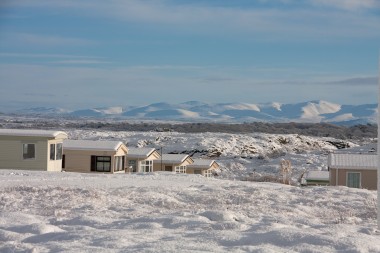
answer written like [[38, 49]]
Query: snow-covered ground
[[165, 212]]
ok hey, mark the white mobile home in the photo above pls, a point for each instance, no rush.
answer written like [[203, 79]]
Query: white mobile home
[[141, 159], [94, 156], [173, 162], [203, 167], [353, 170], [31, 149]]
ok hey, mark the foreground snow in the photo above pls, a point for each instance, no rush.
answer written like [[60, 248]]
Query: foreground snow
[[165, 212]]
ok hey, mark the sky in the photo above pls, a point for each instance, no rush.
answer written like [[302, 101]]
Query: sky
[[96, 53]]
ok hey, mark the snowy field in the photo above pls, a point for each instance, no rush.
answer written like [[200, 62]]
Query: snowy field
[[165, 212]]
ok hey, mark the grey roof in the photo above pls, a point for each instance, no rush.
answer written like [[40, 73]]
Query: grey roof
[[140, 152], [201, 163], [318, 175], [91, 145], [369, 148], [352, 161], [173, 158], [31, 133]]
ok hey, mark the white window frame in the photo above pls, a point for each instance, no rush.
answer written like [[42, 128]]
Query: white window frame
[[180, 169], [146, 166], [57, 151], [360, 178], [208, 173], [35, 151], [118, 164], [105, 161]]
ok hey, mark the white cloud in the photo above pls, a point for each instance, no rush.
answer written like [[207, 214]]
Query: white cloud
[[56, 58], [349, 4], [79, 62], [267, 22], [59, 56], [299, 22], [46, 40], [81, 87], [370, 80]]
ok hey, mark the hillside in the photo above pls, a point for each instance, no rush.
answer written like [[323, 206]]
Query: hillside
[[355, 132]]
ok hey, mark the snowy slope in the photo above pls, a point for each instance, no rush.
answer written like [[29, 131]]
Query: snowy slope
[[165, 212], [313, 111]]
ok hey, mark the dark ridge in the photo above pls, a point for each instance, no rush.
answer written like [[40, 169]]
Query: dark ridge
[[310, 129]]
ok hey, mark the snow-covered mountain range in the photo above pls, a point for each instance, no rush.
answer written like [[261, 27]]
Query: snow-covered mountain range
[[312, 111]]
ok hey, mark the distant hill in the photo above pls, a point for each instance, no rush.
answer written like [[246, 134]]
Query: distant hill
[[195, 111]]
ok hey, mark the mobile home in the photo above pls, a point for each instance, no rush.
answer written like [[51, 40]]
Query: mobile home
[[141, 159], [353, 170], [94, 156], [204, 167], [31, 149], [173, 162]]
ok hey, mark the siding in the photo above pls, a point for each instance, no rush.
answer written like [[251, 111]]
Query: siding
[[368, 177], [157, 164], [11, 153], [80, 160]]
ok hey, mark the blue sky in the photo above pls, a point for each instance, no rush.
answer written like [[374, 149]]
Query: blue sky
[[81, 54]]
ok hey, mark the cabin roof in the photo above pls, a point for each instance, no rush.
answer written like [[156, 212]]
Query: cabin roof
[[318, 175], [32, 133], [140, 152], [201, 163], [92, 145], [174, 158], [352, 161]]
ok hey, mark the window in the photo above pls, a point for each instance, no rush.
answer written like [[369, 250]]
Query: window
[[29, 151], [353, 179], [208, 173], [197, 171], [119, 163], [147, 166], [168, 168], [52, 151], [101, 163], [180, 169], [56, 151], [59, 152], [132, 166]]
